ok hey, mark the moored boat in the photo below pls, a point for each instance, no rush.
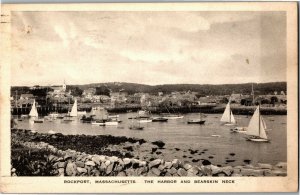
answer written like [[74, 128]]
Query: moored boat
[[111, 123], [239, 130], [172, 116], [196, 121], [98, 122], [87, 119], [34, 114], [145, 120], [38, 120], [227, 116], [159, 119]]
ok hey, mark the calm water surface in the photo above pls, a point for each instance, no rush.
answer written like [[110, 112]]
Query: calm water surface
[[178, 134]]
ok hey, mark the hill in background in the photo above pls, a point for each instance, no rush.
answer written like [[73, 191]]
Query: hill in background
[[225, 89]]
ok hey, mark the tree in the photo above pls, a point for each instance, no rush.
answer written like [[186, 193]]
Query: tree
[[102, 90], [76, 91], [224, 100], [274, 99]]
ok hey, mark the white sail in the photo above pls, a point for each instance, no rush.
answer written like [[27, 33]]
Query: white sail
[[232, 119], [253, 127], [33, 111], [74, 109], [226, 117], [262, 132], [264, 123], [257, 126]]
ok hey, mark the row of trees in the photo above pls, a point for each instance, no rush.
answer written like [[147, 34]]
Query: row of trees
[[203, 90]]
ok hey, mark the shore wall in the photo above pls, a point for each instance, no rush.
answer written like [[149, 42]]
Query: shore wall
[[46, 160], [207, 109]]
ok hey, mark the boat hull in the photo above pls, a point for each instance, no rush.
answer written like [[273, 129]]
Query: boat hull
[[160, 120], [114, 123], [173, 117], [239, 130], [259, 140], [229, 124], [100, 124], [38, 121], [145, 121], [196, 122]]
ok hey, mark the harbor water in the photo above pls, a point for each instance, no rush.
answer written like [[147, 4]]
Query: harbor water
[[220, 146]]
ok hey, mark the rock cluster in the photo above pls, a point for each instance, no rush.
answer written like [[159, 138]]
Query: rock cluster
[[72, 163]]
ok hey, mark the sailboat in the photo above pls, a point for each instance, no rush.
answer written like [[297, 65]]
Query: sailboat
[[34, 114], [227, 116], [72, 114], [171, 116], [257, 128]]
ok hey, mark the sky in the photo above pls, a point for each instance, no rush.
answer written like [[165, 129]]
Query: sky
[[148, 47]]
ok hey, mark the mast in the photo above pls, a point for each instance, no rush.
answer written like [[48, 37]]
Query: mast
[[252, 93], [16, 102], [258, 121], [229, 114]]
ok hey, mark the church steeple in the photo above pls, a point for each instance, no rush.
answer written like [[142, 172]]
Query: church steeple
[[64, 86]]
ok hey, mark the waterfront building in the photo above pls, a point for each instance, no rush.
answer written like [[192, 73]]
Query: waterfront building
[[26, 96]]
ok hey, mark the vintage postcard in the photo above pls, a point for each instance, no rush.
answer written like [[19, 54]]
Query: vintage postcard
[[149, 97]]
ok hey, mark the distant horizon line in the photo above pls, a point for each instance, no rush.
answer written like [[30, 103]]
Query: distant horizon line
[[149, 84]]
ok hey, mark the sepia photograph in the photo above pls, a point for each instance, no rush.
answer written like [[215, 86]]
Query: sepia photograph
[[169, 94]]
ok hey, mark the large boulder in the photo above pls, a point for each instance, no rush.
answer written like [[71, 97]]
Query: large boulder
[[156, 171], [282, 165], [264, 166], [71, 169], [160, 144], [172, 171], [96, 159], [121, 174], [182, 172], [154, 163], [279, 172], [187, 166], [109, 168], [131, 172], [79, 164], [81, 170], [228, 170], [193, 171], [206, 162], [90, 163], [175, 163], [168, 165], [126, 161], [215, 170], [61, 165], [206, 170]]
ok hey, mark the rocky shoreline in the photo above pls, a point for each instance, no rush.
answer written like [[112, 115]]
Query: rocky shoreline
[[35, 154]]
